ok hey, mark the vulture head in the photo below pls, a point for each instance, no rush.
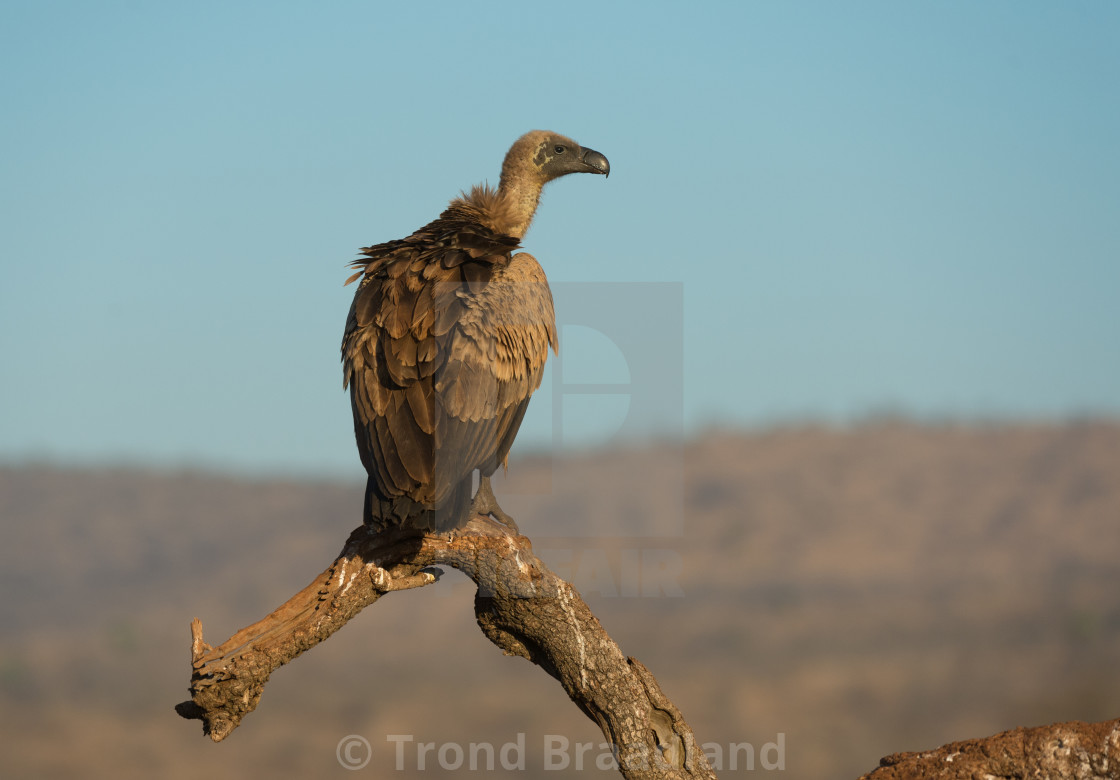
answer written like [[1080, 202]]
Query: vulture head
[[535, 159], [543, 156]]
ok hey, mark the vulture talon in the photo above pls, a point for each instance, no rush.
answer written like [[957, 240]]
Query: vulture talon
[[486, 504]]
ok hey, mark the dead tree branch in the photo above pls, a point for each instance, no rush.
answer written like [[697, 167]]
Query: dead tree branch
[[527, 610], [1060, 751], [522, 607]]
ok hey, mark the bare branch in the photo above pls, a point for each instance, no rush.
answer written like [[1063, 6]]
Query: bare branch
[[527, 610], [1060, 751], [521, 605]]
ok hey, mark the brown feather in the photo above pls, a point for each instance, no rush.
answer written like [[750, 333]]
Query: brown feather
[[476, 275]]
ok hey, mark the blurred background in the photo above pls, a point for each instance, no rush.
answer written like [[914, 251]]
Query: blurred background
[[832, 445]]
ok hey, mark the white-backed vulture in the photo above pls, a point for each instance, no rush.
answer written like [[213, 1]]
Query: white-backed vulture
[[446, 340]]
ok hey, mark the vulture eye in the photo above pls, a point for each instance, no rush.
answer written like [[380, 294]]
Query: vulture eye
[[559, 149]]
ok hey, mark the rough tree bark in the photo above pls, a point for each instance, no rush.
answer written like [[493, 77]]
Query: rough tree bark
[[1060, 751], [527, 610], [521, 605]]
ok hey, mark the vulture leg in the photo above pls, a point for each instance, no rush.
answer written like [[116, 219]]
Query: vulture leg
[[486, 504]]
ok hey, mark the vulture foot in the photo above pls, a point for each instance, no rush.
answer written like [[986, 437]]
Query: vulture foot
[[486, 504]]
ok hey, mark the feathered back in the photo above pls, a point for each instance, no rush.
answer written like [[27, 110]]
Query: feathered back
[[446, 340]]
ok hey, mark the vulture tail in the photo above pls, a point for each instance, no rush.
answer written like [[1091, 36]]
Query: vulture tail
[[383, 512]]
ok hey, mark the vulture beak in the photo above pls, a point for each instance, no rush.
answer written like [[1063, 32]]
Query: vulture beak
[[595, 162]]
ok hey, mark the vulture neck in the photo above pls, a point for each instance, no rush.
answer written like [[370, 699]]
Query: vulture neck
[[516, 203], [519, 188], [507, 211]]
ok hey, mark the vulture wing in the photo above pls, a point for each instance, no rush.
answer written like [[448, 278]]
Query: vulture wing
[[445, 342]]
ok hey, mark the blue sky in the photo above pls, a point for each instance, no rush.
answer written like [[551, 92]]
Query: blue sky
[[816, 210]]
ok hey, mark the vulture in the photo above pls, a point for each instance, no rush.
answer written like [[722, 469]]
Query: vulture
[[445, 342]]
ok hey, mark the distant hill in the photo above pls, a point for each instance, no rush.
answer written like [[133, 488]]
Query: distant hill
[[860, 591]]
